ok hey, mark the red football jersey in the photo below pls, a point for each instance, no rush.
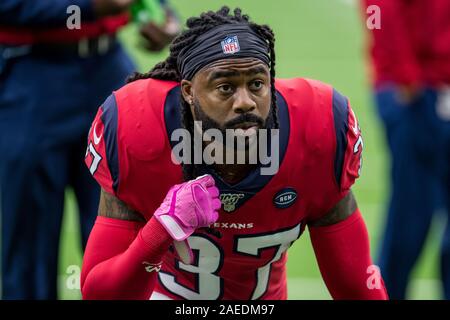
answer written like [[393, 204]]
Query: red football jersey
[[129, 154]]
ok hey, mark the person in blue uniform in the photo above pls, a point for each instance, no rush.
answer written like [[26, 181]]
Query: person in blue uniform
[[52, 80], [410, 58]]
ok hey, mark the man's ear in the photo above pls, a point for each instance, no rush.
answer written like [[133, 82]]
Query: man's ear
[[186, 91]]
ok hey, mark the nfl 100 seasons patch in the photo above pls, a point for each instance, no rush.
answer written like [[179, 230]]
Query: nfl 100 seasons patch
[[231, 200], [230, 45]]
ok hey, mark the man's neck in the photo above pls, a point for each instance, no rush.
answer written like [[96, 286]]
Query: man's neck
[[233, 173]]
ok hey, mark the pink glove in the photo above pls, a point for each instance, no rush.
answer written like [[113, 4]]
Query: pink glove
[[188, 206]]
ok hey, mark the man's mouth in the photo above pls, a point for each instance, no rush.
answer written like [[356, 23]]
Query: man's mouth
[[246, 126]]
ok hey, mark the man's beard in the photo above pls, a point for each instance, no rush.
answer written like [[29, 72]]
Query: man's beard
[[247, 147], [209, 123]]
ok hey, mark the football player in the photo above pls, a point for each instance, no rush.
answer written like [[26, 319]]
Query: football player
[[162, 231]]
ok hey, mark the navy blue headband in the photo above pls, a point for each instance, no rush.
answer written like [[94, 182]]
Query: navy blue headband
[[222, 42]]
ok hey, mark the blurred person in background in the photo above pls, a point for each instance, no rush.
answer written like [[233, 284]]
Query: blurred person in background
[[52, 79], [410, 51]]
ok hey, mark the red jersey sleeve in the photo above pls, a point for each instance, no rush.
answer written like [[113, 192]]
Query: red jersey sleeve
[[128, 147], [343, 158], [329, 143], [349, 144], [101, 154]]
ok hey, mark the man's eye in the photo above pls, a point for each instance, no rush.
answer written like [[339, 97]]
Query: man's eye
[[225, 88], [256, 85]]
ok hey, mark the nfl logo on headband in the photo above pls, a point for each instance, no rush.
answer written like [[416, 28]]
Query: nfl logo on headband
[[230, 45]]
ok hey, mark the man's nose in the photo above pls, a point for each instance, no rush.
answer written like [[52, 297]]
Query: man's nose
[[243, 102]]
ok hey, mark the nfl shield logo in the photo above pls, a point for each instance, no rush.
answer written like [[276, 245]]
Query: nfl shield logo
[[230, 45]]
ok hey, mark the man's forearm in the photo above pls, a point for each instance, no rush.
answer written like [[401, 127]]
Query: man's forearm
[[343, 255], [122, 259]]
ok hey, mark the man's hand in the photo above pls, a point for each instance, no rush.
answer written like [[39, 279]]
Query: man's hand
[[189, 206], [111, 7], [158, 37], [407, 94]]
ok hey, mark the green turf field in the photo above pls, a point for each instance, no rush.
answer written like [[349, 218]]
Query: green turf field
[[321, 39]]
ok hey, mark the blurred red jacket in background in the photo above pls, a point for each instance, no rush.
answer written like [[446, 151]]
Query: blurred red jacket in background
[[413, 44], [19, 36]]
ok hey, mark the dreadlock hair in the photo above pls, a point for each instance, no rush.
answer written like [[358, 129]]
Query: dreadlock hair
[[168, 70]]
